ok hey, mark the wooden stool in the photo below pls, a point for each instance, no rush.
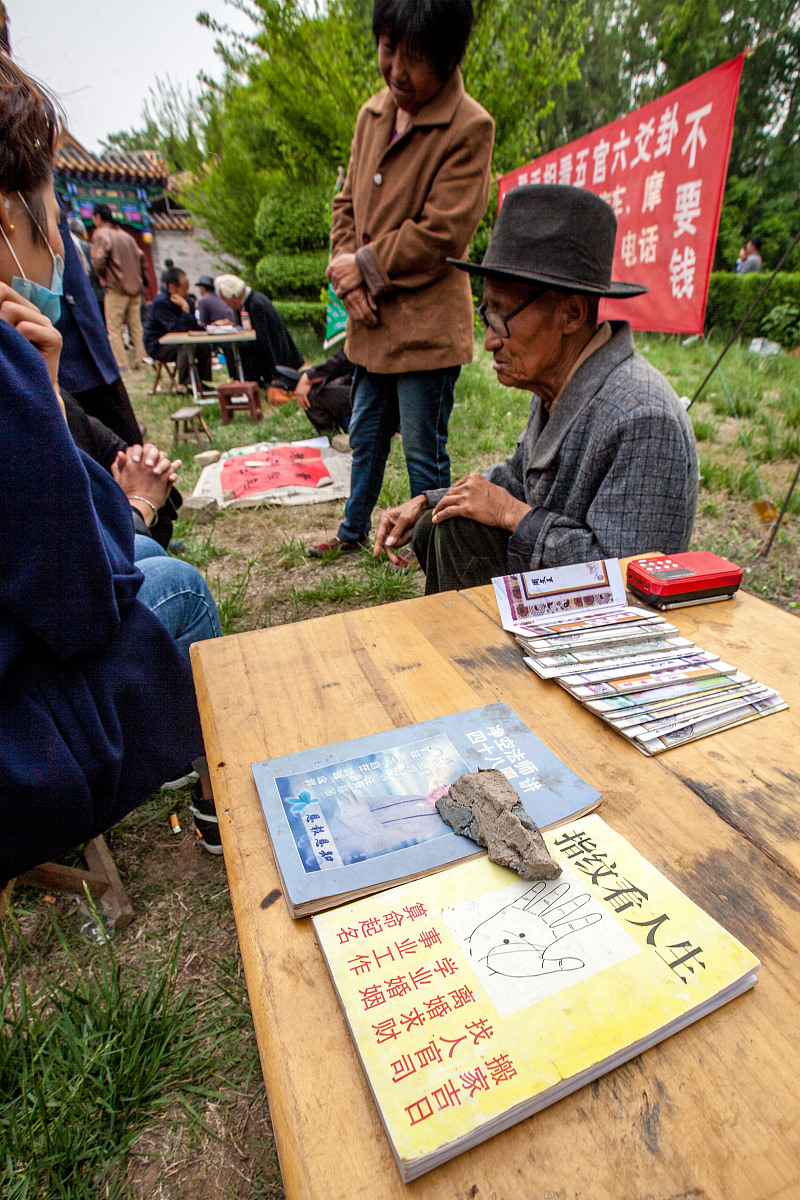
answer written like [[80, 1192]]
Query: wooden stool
[[188, 417], [227, 392], [170, 370], [102, 880]]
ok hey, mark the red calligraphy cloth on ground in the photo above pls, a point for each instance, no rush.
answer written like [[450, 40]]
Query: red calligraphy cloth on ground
[[662, 169], [281, 466]]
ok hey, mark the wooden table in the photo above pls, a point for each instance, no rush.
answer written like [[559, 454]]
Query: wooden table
[[711, 1114], [190, 340]]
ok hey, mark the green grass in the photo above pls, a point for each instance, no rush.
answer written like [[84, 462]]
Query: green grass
[[90, 1061], [231, 598]]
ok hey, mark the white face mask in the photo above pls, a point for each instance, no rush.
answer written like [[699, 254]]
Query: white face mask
[[47, 300]]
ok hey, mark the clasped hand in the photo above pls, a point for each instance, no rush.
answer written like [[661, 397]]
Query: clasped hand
[[344, 275], [147, 472]]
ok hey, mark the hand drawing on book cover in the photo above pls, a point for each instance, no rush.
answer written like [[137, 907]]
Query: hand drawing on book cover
[[520, 939], [527, 942]]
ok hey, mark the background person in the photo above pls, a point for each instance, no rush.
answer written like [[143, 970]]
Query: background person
[[212, 310], [323, 393], [274, 345], [750, 260], [122, 270], [416, 187], [171, 312], [607, 465]]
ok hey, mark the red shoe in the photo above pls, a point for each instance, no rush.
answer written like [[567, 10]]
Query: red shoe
[[336, 544]]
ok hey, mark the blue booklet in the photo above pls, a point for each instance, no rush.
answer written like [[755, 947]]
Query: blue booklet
[[359, 816]]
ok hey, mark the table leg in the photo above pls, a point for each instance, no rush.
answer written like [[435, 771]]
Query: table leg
[[238, 358], [192, 370]]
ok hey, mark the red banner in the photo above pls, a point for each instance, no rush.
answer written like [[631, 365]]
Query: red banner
[[662, 169]]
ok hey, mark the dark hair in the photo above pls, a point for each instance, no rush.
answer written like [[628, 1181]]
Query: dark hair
[[103, 212], [29, 126], [755, 240], [173, 276], [435, 29], [168, 262]]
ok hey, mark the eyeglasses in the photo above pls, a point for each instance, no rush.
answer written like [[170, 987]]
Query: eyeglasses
[[498, 322]]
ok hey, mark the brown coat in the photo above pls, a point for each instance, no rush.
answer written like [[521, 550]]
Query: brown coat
[[120, 265], [405, 208]]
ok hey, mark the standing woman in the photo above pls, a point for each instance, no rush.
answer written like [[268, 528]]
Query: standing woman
[[416, 187]]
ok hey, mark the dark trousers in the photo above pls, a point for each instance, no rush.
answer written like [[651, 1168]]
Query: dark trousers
[[179, 355], [459, 553]]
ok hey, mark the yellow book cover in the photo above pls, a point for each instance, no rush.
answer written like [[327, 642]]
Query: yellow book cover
[[475, 998]]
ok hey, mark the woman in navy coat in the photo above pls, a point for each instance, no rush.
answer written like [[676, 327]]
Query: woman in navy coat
[[97, 706]]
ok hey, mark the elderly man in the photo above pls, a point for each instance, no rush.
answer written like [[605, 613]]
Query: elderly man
[[274, 346], [607, 465]]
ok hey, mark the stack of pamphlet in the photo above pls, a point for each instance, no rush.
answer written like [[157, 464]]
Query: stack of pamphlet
[[628, 665]]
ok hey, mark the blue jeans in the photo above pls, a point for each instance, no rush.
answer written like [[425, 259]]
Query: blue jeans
[[420, 402], [177, 593]]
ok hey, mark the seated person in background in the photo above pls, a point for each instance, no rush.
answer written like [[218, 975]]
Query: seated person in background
[[212, 310], [97, 704], [607, 465], [171, 312], [273, 346], [323, 392]]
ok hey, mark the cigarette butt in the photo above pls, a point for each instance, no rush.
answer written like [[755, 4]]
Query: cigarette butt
[[174, 822]]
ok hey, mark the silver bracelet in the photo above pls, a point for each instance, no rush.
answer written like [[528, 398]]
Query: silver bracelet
[[133, 496]]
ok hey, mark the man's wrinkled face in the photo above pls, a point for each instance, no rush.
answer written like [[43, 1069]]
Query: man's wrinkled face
[[530, 354]]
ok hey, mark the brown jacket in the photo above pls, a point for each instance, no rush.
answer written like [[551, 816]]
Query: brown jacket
[[118, 261], [405, 208]]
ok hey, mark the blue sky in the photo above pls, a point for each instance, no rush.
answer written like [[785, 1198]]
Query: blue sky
[[100, 57]]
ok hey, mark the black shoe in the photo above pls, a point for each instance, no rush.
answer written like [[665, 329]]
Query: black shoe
[[205, 820]]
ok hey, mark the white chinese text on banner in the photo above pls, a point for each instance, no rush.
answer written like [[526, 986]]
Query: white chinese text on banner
[[662, 169]]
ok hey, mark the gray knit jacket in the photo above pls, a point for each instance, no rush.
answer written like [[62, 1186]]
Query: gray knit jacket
[[612, 472]]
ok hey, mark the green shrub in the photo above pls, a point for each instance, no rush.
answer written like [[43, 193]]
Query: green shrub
[[304, 312], [292, 276], [294, 217], [782, 324], [730, 296]]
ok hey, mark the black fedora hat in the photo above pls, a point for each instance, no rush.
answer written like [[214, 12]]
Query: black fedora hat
[[205, 281], [557, 235]]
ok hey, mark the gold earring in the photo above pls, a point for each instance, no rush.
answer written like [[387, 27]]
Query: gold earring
[[12, 228]]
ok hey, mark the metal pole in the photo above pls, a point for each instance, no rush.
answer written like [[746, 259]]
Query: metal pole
[[776, 524]]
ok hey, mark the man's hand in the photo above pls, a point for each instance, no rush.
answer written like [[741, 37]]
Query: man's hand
[[344, 274], [481, 501], [302, 388], [396, 526], [361, 306], [145, 471], [180, 301], [34, 327]]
